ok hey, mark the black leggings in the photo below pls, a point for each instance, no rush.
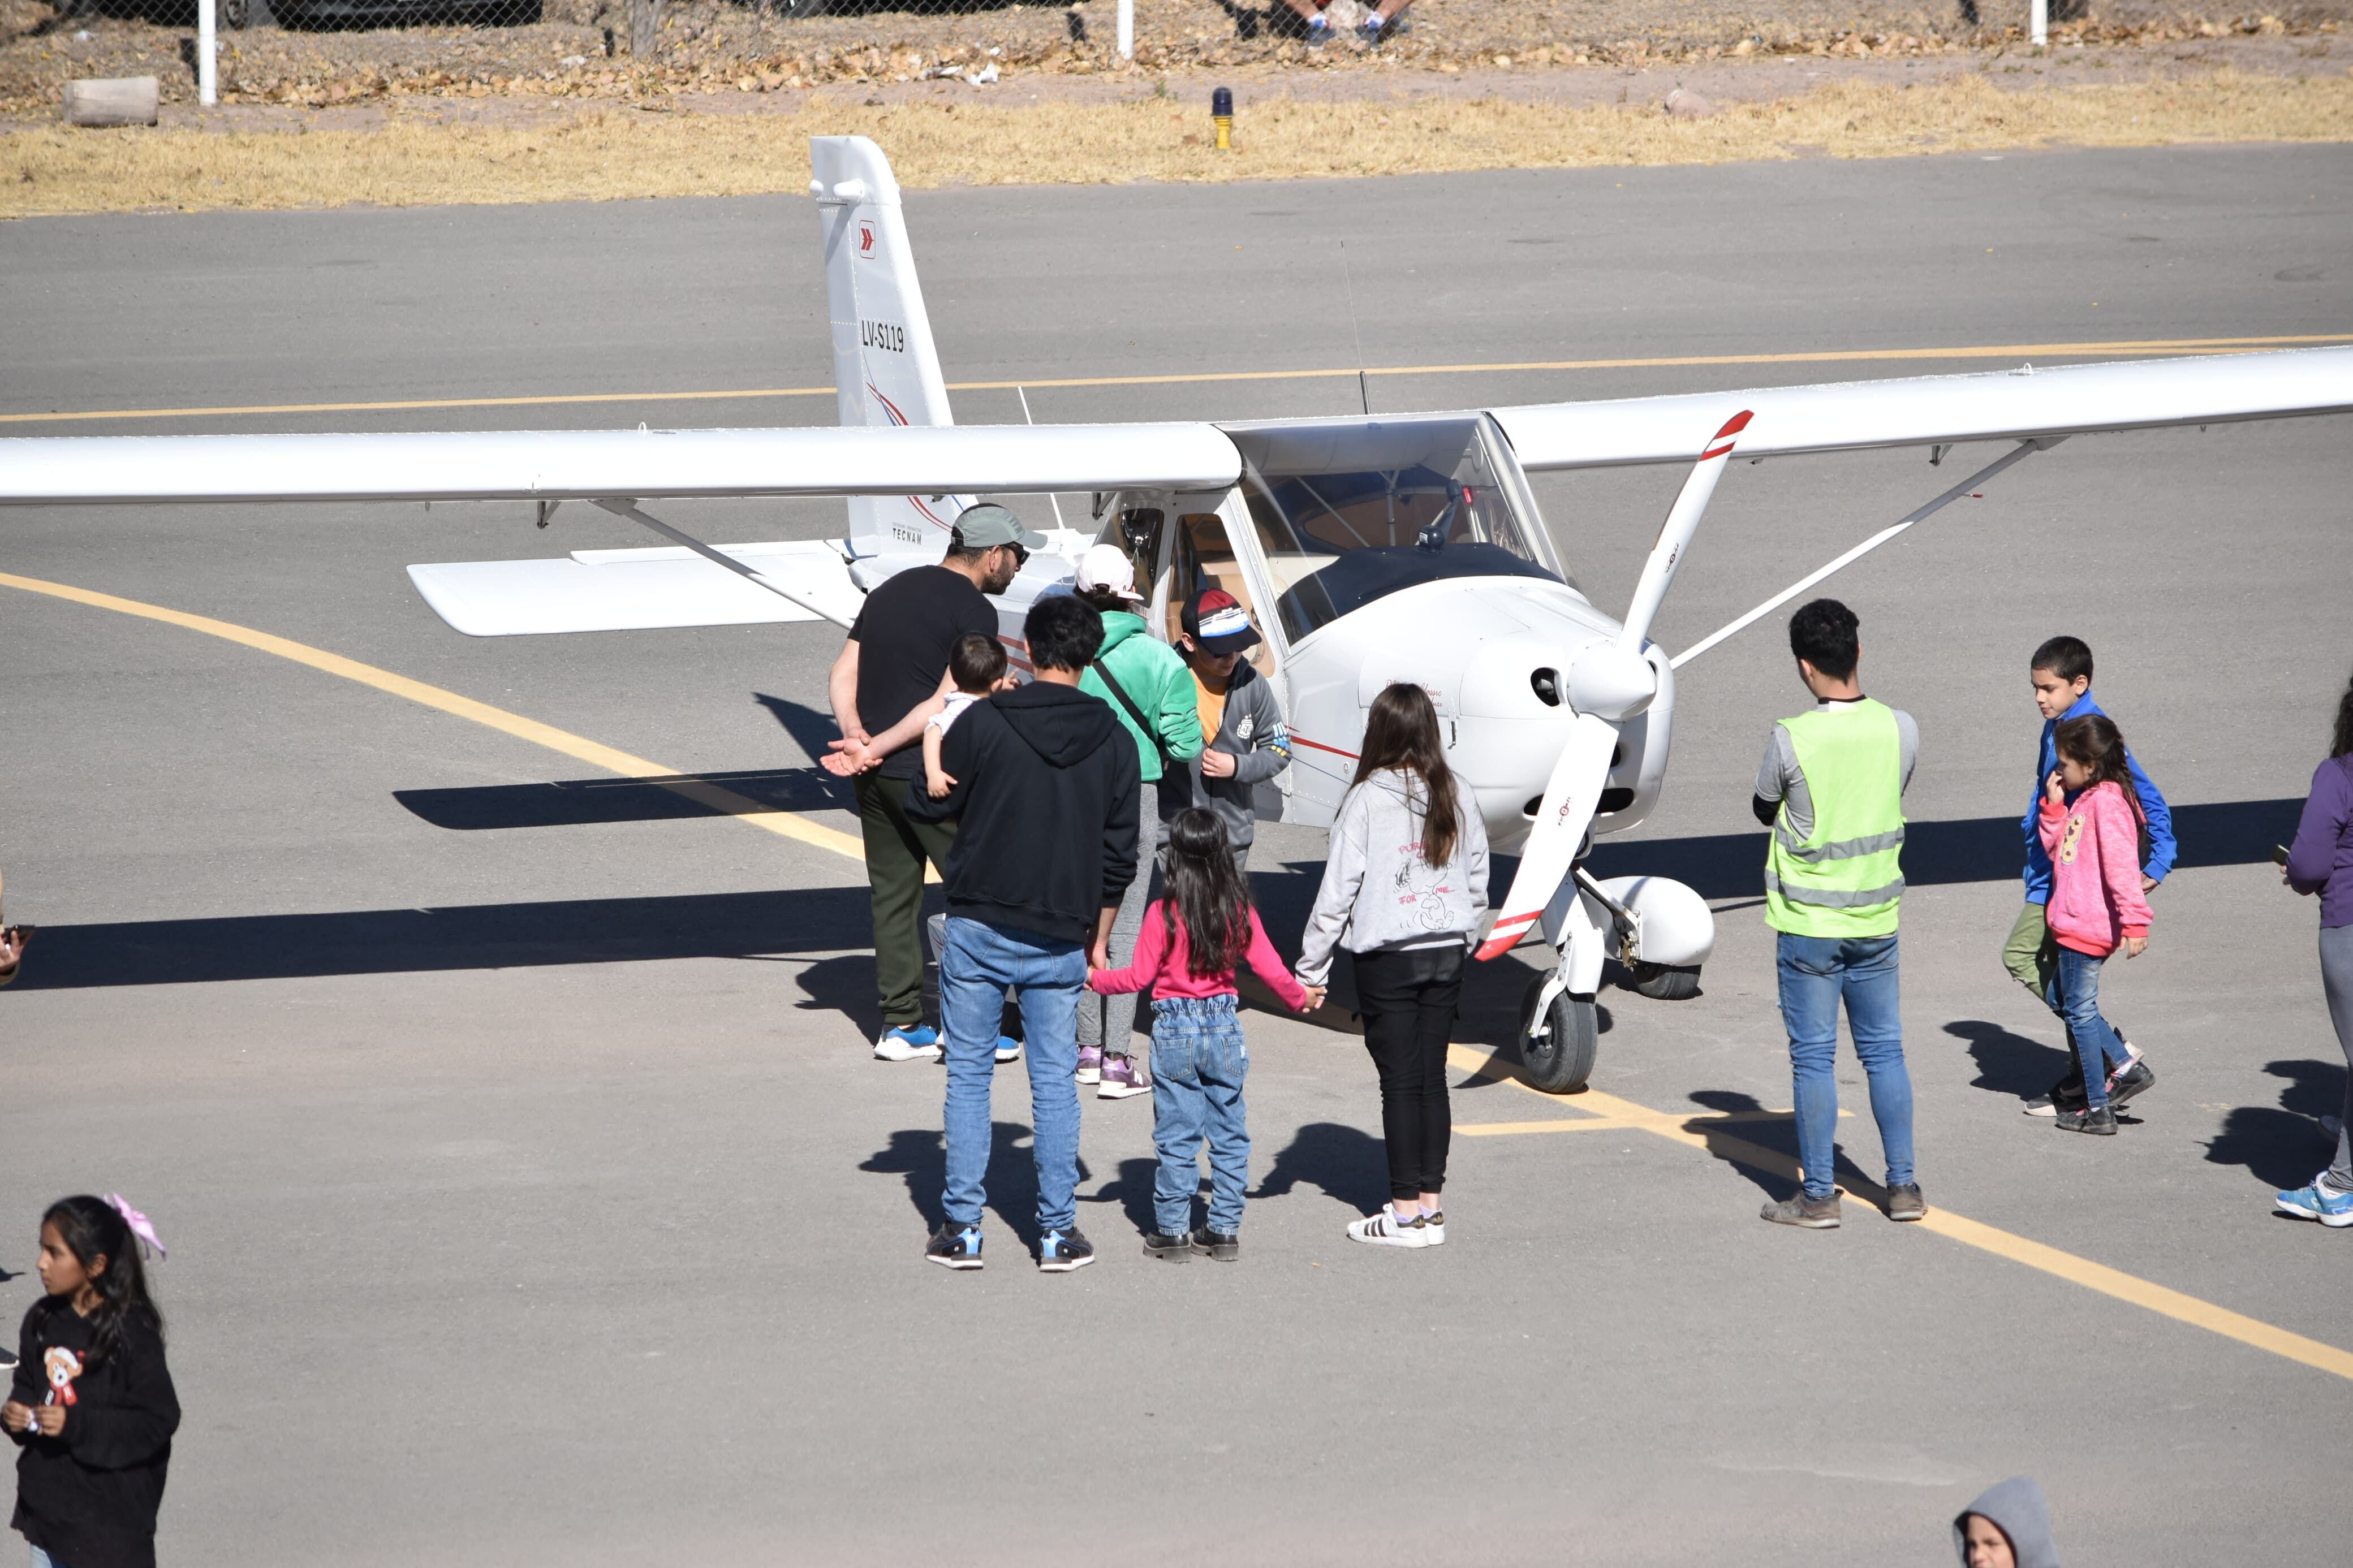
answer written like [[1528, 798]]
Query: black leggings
[[1408, 1001]]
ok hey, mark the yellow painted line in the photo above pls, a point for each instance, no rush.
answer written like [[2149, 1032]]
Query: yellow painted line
[[1604, 1123], [2127, 347], [784, 824], [2175, 1304]]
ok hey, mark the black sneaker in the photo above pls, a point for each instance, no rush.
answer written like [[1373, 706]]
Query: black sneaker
[[1225, 1245], [1167, 1248], [1059, 1251], [7, 1360], [1905, 1203], [2136, 1076], [2100, 1123], [956, 1247], [1810, 1213]]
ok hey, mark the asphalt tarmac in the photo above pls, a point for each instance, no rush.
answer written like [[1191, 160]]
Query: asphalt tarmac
[[532, 1197]]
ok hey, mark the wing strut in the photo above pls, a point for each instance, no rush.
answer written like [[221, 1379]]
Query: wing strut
[[622, 506], [2024, 448]]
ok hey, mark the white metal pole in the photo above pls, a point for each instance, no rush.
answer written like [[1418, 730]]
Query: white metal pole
[[1127, 28], [2038, 23], [207, 43]]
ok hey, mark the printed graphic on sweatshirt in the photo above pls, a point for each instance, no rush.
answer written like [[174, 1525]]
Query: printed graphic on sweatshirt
[[1417, 883], [63, 1366], [2074, 835]]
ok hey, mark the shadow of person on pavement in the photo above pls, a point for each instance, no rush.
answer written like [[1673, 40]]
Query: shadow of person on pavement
[[920, 1154], [2009, 1063], [2282, 1146], [1347, 1162], [1131, 1189]]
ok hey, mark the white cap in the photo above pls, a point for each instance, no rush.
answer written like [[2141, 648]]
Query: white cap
[[1107, 566]]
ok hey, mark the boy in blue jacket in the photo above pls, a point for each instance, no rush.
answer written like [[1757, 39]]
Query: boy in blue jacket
[[2061, 672]]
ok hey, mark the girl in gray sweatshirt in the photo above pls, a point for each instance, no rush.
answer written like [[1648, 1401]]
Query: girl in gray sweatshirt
[[1405, 884]]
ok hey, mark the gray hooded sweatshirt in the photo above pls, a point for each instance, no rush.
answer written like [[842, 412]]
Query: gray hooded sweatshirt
[[1377, 891], [2016, 1506]]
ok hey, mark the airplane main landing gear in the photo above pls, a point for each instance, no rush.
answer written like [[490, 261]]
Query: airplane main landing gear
[[1561, 1036]]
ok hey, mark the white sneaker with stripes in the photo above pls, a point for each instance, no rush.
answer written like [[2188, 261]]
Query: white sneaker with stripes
[[1382, 1227]]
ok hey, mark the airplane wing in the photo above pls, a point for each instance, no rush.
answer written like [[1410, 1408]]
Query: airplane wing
[[638, 590], [2024, 403], [594, 464]]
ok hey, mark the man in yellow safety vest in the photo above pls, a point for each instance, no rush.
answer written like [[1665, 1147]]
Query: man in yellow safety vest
[[1831, 789]]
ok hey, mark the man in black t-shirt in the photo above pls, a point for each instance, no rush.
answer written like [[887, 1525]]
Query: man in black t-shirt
[[884, 685]]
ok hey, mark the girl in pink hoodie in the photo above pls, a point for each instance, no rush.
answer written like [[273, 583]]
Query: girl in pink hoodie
[[2090, 826]]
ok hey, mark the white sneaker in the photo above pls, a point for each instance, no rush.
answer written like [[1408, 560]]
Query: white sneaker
[[1382, 1227], [1433, 1228], [1008, 1050], [900, 1044]]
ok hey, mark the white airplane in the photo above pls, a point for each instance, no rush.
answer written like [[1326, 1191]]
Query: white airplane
[[1372, 550]]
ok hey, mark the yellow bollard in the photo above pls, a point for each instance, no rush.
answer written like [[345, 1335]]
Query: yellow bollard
[[1221, 112]]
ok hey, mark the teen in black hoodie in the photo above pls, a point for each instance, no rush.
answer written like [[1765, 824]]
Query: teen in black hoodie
[[1046, 784]]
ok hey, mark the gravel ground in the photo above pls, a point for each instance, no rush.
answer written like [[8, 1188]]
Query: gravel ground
[[580, 48]]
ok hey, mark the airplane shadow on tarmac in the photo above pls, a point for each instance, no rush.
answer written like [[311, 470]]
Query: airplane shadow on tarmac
[[835, 920]]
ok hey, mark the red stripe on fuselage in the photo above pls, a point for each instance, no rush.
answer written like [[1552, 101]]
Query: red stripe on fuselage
[[1299, 740]]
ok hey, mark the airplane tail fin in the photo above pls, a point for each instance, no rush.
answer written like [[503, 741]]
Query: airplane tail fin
[[885, 370]]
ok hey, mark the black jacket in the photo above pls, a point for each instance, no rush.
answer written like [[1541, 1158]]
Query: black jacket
[[90, 1495], [1046, 784]]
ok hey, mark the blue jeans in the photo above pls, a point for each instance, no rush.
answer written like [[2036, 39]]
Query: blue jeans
[[1816, 971], [1198, 1062], [2078, 985], [982, 962]]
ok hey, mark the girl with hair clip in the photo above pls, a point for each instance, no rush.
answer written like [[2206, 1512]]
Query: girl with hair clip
[[2090, 826], [91, 1407], [1192, 940], [1404, 887]]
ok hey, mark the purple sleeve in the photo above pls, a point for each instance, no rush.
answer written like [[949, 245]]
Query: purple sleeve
[[2326, 812]]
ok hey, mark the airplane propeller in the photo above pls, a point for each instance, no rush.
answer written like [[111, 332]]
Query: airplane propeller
[[1608, 683]]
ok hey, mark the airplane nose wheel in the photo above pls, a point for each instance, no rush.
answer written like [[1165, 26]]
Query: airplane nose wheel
[[1667, 982], [1559, 1058]]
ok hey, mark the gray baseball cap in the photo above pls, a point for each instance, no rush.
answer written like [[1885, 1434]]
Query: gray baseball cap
[[988, 525]]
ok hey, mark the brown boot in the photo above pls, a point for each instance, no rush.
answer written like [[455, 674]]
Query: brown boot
[[1813, 1213]]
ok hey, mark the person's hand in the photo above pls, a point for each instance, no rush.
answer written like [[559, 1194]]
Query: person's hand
[[938, 788], [12, 948], [2051, 790], [1316, 995], [2134, 946], [1099, 955], [1217, 764], [2147, 881], [15, 1417], [49, 1420]]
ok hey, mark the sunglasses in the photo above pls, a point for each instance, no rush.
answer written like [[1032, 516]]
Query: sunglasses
[[1020, 556]]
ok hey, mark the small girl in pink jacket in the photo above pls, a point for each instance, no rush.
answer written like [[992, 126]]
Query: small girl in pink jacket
[[2091, 826]]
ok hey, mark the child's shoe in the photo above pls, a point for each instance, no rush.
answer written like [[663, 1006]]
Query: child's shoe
[[1122, 1079], [1167, 1247], [1089, 1065], [2100, 1123], [2334, 1210], [956, 1247], [1385, 1227], [1225, 1245], [2128, 1080]]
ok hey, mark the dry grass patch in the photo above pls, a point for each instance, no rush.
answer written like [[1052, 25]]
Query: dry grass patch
[[606, 155]]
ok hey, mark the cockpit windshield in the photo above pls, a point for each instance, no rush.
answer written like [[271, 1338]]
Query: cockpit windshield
[[1347, 512]]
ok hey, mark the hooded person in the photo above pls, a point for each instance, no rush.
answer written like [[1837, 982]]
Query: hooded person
[[1046, 789], [1249, 746], [2009, 1526]]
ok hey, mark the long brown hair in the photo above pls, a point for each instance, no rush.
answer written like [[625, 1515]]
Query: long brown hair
[[2097, 742], [2343, 745], [1207, 893], [1401, 732]]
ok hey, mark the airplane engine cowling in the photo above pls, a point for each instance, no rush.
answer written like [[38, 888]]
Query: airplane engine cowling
[[1678, 928]]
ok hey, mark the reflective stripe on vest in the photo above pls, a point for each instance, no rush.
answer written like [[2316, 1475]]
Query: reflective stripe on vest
[[1846, 877]]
